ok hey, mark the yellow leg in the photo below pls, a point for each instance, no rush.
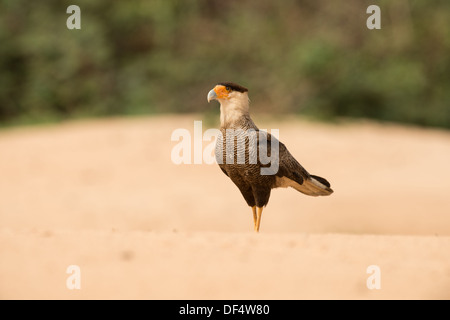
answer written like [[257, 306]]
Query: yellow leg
[[258, 218], [254, 215]]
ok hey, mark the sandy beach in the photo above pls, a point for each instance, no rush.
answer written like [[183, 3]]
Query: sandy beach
[[104, 195]]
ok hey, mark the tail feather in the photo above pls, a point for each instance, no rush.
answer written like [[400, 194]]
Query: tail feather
[[314, 186], [321, 180]]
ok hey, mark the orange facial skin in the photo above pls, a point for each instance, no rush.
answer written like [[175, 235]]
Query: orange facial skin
[[222, 92]]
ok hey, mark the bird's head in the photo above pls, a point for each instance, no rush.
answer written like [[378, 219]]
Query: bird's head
[[228, 92], [233, 99]]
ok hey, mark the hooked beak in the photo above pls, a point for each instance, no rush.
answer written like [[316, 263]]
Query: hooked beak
[[212, 95]]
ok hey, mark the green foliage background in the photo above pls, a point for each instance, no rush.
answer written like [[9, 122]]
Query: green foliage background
[[296, 56]]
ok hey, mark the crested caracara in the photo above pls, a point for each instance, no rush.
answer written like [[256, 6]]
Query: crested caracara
[[255, 160]]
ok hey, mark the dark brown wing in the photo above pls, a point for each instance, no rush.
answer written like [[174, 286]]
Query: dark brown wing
[[291, 173], [286, 163]]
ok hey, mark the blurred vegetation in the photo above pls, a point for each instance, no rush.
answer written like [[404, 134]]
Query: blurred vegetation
[[296, 56]]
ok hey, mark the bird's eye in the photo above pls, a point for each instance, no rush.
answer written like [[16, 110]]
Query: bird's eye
[[228, 89]]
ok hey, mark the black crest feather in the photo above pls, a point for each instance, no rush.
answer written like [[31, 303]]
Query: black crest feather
[[234, 86]]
